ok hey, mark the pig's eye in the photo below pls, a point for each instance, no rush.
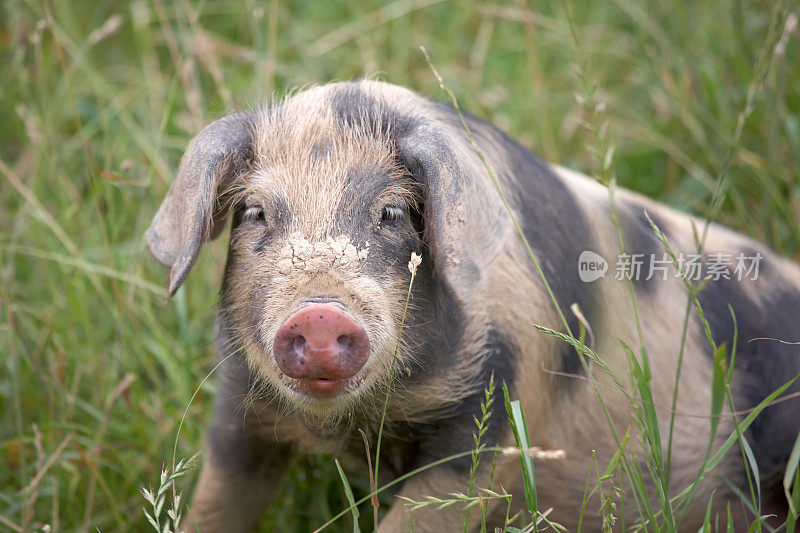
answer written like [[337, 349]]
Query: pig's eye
[[255, 214], [391, 213]]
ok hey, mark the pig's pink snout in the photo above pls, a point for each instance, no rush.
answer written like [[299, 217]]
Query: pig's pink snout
[[321, 342]]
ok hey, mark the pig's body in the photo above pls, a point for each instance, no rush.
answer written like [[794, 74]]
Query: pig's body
[[330, 193]]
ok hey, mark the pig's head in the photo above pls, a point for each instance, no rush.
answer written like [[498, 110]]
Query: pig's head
[[330, 191]]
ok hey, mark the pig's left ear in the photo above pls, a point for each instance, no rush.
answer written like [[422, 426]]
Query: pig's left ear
[[191, 212], [466, 223]]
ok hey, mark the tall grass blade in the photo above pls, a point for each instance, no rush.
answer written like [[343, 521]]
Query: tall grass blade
[[520, 429], [717, 387], [348, 492], [794, 502], [747, 504], [650, 427], [751, 460], [792, 471], [412, 267], [730, 519], [480, 426], [707, 519], [642, 377]]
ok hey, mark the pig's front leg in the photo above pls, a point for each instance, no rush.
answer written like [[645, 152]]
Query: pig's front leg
[[239, 476]]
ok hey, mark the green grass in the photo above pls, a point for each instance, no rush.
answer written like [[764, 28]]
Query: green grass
[[97, 370]]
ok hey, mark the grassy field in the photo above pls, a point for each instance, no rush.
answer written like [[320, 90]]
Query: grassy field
[[99, 98]]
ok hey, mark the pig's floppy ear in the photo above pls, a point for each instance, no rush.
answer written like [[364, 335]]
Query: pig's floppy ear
[[466, 223], [190, 213]]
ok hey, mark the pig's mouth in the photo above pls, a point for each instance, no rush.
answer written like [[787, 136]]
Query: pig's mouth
[[323, 387]]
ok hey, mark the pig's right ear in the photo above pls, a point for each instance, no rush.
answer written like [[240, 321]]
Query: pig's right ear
[[191, 212]]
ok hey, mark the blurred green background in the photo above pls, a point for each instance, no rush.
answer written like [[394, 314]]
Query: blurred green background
[[99, 98]]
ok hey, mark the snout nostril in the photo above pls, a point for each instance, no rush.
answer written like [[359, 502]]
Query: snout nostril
[[299, 344], [344, 341]]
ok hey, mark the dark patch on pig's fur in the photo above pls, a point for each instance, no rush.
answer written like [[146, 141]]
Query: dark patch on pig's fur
[[278, 216], [761, 366], [641, 241], [449, 435], [359, 110]]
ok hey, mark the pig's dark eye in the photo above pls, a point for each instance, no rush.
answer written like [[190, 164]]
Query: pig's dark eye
[[255, 214], [391, 213]]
